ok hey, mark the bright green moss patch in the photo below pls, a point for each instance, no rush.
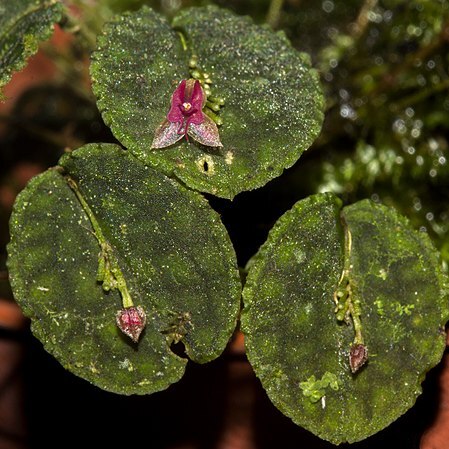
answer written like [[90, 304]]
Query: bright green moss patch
[[315, 389]]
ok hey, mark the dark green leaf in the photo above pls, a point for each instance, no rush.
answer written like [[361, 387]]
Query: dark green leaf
[[299, 349], [273, 101], [174, 253], [23, 24]]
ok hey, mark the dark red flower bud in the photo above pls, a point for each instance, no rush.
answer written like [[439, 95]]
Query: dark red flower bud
[[131, 321], [357, 357]]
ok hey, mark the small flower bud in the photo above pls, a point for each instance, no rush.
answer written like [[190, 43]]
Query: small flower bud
[[131, 321], [358, 356]]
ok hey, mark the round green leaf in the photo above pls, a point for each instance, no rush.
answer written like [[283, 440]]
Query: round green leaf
[[298, 348], [273, 101], [23, 24], [171, 247]]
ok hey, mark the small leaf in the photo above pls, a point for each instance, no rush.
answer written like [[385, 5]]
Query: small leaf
[[262, 91], [163, 243], [294, 334], [23, 24]]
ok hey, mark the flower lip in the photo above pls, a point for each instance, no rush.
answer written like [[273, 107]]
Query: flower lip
[[186, 107]]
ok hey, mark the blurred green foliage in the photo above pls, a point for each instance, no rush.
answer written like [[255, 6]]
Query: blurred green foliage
[[385, 137]]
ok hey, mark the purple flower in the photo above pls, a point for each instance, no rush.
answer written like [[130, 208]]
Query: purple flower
[[186, 117], [131, 321]]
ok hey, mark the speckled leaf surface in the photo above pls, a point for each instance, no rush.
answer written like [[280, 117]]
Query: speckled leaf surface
[[171, 246], [298, 348], [23, 24], [273, 101]]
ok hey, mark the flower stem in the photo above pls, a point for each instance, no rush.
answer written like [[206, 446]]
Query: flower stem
[[274, 13], [347, 307], [109, 272]]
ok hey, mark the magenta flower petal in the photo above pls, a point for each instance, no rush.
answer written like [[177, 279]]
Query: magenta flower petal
[[131, 321], [177, 99], [206, 133], [167, 134], [197, 100]]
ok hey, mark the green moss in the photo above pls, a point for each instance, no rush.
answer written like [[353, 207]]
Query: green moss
[[315, 390]]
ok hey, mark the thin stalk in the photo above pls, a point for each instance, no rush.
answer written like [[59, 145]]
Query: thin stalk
[[362, 21], [274, 13], [347, 307], [109, 272], [420, 95]]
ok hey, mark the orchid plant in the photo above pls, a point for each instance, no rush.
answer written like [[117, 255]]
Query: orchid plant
[[132, 223]]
